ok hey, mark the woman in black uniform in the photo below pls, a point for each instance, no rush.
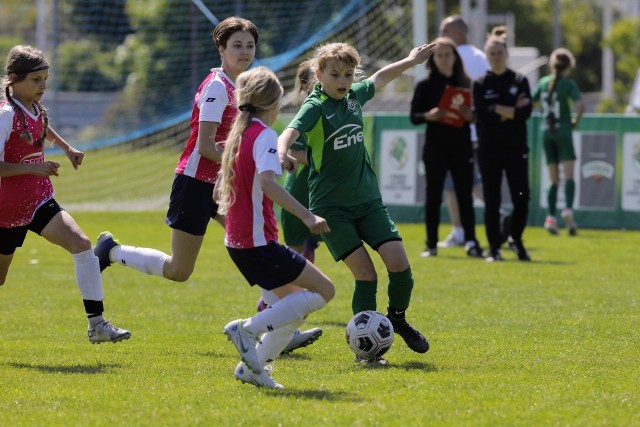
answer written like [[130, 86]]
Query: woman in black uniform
[[502, 101]]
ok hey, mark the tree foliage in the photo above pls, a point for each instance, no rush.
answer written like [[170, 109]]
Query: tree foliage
[[624, 42]]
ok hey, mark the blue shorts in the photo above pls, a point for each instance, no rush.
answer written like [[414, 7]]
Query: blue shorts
[[191, 205], [270, 266], [12, 238]]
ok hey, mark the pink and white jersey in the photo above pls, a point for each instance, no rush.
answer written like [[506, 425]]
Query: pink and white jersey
[[250, 219], [214, 102], [21, 195]]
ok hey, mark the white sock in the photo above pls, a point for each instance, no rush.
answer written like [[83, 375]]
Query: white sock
[[292, 308], [88, 275], [272, 343], [147, 260], [458, 233], [269, 297]]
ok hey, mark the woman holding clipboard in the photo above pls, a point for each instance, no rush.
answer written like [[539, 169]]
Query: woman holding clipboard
[[443, 102]]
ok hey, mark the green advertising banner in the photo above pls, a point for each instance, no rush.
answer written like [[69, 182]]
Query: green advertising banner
[[607, 172]]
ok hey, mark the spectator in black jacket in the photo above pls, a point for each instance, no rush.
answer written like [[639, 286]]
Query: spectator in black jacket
[[502, 102], [448, 142]]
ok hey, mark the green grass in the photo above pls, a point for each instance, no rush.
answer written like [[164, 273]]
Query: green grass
[[551, 342]]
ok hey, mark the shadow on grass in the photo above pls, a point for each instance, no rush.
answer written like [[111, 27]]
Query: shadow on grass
[[326, 395], [99, 368], [416, 366]]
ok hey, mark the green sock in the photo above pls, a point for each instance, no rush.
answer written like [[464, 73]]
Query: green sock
[[399, 289], [569, 192], [552, 198], [364, 296]]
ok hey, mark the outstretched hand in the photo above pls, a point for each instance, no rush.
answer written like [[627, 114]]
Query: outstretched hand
[[421, 53]]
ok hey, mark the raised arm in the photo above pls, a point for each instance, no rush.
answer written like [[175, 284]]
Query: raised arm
[[418, 55]]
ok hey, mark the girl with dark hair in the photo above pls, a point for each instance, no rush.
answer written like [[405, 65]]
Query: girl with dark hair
[[26, 192], [447, 147]]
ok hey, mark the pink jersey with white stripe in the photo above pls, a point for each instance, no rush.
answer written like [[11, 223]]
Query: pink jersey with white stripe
[[214, 102], [21, 195], [251, 221]]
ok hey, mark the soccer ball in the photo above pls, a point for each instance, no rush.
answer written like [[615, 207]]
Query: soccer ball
[[369, 334]]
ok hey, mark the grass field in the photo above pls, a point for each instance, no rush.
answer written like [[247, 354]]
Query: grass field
[[551, 342]]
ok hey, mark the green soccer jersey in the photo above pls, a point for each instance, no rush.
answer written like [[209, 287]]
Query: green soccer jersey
[[340, 169], [565, 91]]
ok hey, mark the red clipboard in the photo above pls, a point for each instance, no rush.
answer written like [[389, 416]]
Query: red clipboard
[[451, 100]]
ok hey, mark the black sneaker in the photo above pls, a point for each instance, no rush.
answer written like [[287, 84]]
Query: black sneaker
[[474, 251], [519, 249], [414, 339], [494, 255], [103, 247]]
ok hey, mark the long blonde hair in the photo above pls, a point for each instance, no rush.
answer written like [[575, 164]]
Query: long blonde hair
[[257, 90]]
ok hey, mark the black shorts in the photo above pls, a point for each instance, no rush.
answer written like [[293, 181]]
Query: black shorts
[[270, 266], [12, 238], [191, 205]]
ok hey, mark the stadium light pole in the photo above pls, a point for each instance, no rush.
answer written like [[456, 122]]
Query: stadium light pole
[[420, 32]]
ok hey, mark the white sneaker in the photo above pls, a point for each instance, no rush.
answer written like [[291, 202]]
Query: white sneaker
[[244, 374], [376, 361], [427, 253], [567, 216], [245, 343], [106, 332], [451, 241], [551, 225], [302, 339]]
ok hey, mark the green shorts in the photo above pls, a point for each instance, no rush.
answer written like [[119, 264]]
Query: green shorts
[[350, 226], [294, 231], [558, 145]]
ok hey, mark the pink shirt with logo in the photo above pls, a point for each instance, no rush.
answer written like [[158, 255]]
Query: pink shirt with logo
[[21, 195], [214, 102], [251, 221]]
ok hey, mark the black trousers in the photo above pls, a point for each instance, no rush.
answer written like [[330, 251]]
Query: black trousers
[[440, 157], [515, 166]]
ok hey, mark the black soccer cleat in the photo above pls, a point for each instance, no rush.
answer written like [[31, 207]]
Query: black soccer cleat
[[413, 338]]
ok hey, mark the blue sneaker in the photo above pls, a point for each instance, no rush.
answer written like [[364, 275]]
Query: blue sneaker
[[103, 247]]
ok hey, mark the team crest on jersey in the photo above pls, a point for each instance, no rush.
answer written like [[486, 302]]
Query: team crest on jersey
[[513, 90], [352, 105]]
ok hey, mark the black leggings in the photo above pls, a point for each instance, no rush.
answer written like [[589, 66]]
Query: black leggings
[[515, 166], [456, 157]]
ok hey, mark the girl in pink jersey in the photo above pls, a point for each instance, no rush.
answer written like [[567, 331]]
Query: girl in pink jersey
[[246, 192], [191, 204], [26, 192]]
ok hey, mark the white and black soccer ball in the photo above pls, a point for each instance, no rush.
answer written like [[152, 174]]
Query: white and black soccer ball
[[369, 334]]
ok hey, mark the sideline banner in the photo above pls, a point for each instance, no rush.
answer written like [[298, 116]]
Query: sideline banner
[[607, 172]]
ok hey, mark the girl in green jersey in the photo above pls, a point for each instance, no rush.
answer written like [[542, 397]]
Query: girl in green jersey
[[343, 185], [559, 96]]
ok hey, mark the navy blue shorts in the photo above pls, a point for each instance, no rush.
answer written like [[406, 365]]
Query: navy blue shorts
[[12, 238], [270, 266], [191, 205]]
